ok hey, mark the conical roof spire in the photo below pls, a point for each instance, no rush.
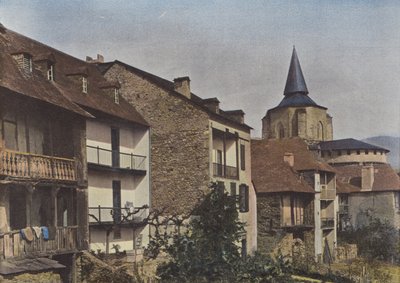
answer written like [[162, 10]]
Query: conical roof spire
[[295, 82]]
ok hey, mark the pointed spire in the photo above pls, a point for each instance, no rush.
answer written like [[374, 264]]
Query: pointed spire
[[295, 82]]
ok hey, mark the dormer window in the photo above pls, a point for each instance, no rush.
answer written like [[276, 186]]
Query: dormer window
[[24, 61], [27, 63], [116, 95], [84, 85], [50, 72]]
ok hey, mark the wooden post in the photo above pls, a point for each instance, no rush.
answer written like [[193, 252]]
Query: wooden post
[[54, 192], [30, 189]]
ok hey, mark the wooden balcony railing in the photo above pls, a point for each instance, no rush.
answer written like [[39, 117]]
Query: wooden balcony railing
[[327, 194], [26, 165], [225, 171], [12, 245]]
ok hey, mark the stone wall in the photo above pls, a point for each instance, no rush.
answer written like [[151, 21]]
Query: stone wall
[[180, 169], [273, 239], [298, 121]]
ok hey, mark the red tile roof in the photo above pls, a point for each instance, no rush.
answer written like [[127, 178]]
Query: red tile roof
[[385, 178], [271, 174]]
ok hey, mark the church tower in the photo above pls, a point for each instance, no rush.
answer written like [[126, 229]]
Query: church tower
[[297, 115]]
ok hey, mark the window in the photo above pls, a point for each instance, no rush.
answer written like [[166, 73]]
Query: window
[[366, 152], [358, 152], [243, 198], [116, 96], [244, 248], [348, 152], [221, 187], [242, 157], [339, 153], [281, 131], [116, 190], [397, 200], [50, 73], [375, 152], [233, 189], [322, 153], [84, 85], [320, 131], [27, 63]]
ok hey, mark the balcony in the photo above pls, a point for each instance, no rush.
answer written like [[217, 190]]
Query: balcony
[[13, 246], [327, 194], [117, 215], [34, 166], [327, 223], [107, 158], [225, 171]]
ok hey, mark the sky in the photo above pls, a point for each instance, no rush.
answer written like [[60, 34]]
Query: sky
[[239, 51]]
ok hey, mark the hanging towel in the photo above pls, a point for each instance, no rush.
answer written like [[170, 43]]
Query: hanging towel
[[37, 231], [27, 234], [45, 232], [52, 232]]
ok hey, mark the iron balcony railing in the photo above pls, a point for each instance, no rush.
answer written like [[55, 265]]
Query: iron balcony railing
[[35, 166], [117, 215], [225, 171], [327, 223], [114, 158]]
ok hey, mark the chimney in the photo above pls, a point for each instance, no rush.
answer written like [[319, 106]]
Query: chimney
[[288, 157], [182, 85], [212, 104], [99, 59], [367, 177], [236, 115]]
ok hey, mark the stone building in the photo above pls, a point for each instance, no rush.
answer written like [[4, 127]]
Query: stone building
[[193, 142], [301, 192], [297, 115], [295, 200], [367, 184]]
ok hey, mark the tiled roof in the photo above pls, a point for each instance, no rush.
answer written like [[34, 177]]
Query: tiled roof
[[271, 174], [65, 66], [385, 178], [169, 86], [348, 144]]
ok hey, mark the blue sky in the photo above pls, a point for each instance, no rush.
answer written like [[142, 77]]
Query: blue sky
[[239, 51]]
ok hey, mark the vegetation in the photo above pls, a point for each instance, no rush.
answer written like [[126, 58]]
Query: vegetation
[[376, 241], [203, 247]]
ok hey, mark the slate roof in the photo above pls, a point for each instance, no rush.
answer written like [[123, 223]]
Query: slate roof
[[68, 93], [385, 178], [169, 86], [295, 82], [296, 92], [344, 144], [271, 174]]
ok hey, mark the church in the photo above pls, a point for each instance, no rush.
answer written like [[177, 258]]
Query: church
[[311, 187]]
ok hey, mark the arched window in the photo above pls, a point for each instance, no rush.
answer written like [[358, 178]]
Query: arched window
[[295, 125], [280, 131], [320, 131]]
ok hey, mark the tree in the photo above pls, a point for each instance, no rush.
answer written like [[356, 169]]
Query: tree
[[203, 246]]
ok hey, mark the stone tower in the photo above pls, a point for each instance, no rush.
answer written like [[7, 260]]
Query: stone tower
[[297, 115]]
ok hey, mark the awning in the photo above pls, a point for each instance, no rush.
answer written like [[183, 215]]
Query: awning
[[8, 267]]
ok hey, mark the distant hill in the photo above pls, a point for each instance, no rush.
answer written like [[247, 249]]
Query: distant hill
[[390, 143]]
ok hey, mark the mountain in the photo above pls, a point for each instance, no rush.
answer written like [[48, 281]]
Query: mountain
[[390, 143]]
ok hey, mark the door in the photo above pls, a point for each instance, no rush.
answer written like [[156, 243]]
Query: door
[[115, 147], [116, 185]]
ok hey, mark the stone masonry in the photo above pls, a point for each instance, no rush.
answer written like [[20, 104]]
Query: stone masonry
[[180, 170]]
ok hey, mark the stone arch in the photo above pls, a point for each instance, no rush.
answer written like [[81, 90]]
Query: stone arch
[[280, 131], [320, 131]]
